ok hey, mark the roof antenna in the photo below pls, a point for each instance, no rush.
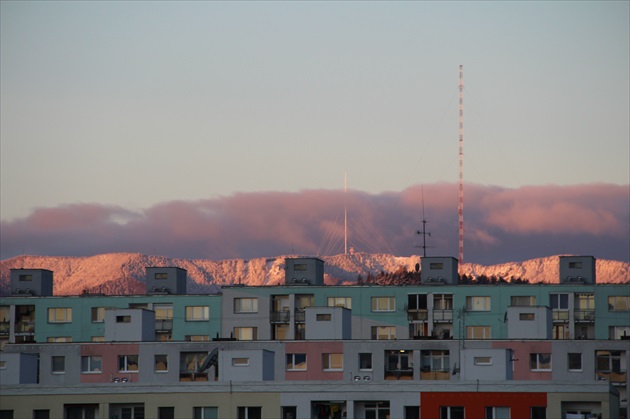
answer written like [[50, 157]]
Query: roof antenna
[[424, 231]]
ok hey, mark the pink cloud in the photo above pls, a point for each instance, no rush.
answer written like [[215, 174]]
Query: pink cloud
[[500, 224]]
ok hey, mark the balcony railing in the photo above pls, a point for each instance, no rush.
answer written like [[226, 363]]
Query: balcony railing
[[417, 315], [442, 315], [280, 317], [614, 377], [25, 327], [587, 316], [399, 375], [560, 315], [163, 325], [435, 375], [300, 316]]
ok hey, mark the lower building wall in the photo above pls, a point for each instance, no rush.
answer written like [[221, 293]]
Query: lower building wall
[[475, 403], [183, 403]]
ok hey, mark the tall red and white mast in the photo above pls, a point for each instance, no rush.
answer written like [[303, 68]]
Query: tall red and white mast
[[460, 207]]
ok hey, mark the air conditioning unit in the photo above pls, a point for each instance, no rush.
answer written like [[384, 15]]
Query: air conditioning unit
[[367, 378], [304, 281]]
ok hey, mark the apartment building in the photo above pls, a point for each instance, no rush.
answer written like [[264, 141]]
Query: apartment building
[[309, 350]]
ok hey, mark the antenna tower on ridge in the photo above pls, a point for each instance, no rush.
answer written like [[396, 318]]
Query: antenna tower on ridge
[[460, 207], [424, 231]]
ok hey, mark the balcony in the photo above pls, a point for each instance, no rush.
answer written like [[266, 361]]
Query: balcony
[[417, 315], [584, 316], [300, 316], [25, 327], [445, 316], [399, 374], [280, 317], [4, 328], [560, 315], [617, 378], [163, 325], [427, 374]]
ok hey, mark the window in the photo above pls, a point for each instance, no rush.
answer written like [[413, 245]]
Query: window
[[26, 278], [559, 301], [205, 413], [619, 303], [249, 412], [540, 362], [332, 362], [383, 332], [41, 414], [128, 363], [160, 363], [538, 412], [246, 333], [296, 362], [607, 362], [575, 265], [3, 365], [289, 412], [398, 364], [436, 265], [478, 303], [575, 361], [78, 411], [60, 315], [189, 364], [523, 300], [246, 305], [160, 275], [58, 339], [165, 412], [123, 319], [365, 361], [477, 332], [442, 302], [377, 410], [197, 338], [58, 364], [452, 412], [526, 316], [197, 313], [98, 314], [163, 311], [240, 362], [483, 360], [340, 302], [91, 364], [619, 332], [97, 338], [300, 267], [497, 412], [323, 317], [383, 304], [435, 360]]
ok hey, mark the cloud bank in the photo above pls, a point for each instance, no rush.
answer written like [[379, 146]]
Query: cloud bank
[[501, 224]]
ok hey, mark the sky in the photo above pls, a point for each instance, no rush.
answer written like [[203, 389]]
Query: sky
[[224, 129]]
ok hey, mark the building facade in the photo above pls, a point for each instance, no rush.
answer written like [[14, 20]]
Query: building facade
[[439, 349]]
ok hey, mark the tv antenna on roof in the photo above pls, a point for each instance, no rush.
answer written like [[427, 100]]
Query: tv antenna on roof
[[424, 231]]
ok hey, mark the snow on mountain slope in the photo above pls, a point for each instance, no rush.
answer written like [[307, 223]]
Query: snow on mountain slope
[[124, 273]]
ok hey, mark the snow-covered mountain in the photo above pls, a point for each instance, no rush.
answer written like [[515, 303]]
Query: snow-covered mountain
[[124, 273]]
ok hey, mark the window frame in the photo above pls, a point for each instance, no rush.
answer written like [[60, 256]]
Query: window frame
[[292, 363], [486, 332], [363, 357], [127, 360], [536, 364], [156, 361], [98, 314], [240, 361], [376, 332], [474, 303], [197, 313], [329, 363], [376, 304], [482, 360], [200, 412], [91, 360], [56, 370], [55, 317], [345, 302], [622, 300], [239, 306], [238, 331], [569, 368]]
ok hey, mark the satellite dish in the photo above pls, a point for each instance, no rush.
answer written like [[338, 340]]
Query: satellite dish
[[211, 360], [417, 267]]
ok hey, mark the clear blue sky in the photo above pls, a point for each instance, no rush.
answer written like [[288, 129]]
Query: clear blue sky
[[136, 103]]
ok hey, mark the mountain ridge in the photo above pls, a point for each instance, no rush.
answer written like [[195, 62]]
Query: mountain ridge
[[124, 273]]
